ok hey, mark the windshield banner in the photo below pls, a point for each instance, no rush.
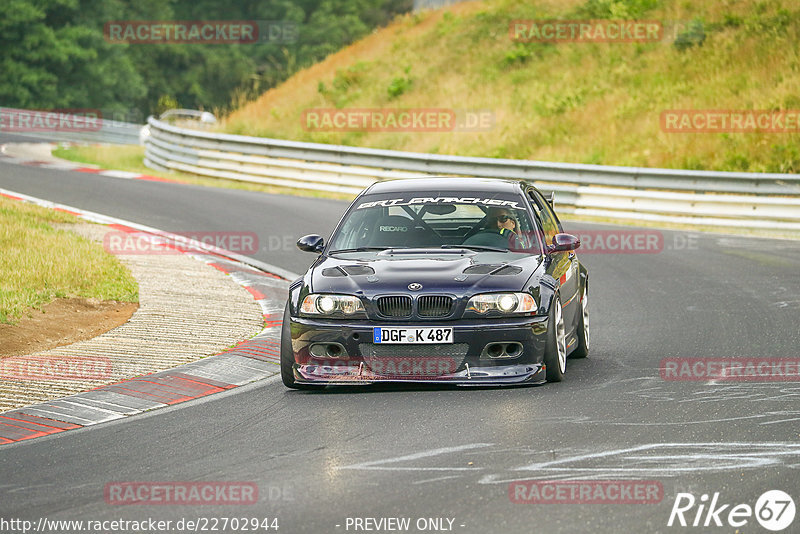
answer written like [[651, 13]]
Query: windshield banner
[[512, 204]]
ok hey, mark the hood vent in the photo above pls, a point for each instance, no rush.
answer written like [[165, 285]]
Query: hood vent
[[481, 269], [499, 269], [508, 270], [352, 270], [356, 270]]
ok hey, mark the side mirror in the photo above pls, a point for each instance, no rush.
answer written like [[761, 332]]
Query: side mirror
[[563, 243], [311, 243], [550, 198]]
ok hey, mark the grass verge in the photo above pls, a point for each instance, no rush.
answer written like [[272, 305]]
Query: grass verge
[[576, 102], [40, 263], [131, 158]]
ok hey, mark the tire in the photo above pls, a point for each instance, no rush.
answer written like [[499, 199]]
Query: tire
[[555, 351], [287, 354], [582, 350]]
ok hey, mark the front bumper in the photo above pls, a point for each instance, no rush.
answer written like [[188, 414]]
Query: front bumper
[[475, 376], [464, 362]]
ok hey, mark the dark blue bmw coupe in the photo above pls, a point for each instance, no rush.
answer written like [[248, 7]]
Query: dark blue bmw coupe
[[447, 280]]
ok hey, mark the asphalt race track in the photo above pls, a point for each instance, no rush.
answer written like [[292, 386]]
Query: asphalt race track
[[320, 458]]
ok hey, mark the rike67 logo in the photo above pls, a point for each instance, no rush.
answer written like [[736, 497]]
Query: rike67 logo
[[774, 510]]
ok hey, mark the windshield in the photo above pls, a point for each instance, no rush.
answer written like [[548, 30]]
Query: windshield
[[481, 221]]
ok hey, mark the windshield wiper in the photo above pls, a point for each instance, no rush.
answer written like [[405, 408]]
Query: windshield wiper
[[361, 249], [476, 247]]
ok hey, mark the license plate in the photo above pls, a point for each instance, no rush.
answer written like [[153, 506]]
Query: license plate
[[383, 334]]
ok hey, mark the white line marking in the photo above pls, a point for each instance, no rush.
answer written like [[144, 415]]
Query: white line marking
[[379, 464], [127, 175]]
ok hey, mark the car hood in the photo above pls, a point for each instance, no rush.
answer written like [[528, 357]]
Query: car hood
[[456, 271]]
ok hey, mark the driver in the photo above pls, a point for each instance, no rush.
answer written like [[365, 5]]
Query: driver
[[502, 221]]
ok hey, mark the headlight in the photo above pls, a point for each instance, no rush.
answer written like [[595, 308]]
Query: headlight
[[345, 305], [503, 303]]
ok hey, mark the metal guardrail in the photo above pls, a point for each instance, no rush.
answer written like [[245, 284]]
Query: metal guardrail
[[669, 195], [103, 131]]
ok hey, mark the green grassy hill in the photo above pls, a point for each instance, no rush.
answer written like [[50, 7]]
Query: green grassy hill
[[572, 102]]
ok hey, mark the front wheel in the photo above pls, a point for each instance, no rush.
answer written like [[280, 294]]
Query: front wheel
[[555, 351], [582, 350], [287, 354]]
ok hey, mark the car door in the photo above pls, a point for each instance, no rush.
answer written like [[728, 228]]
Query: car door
[[563, 265]]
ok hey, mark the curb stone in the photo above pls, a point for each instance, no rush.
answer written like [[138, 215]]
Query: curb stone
[[251, 360]]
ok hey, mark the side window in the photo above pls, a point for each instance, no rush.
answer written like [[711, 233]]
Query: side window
[[550, 223]]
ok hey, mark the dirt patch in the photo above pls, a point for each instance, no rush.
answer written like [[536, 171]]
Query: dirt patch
[[62, 322]]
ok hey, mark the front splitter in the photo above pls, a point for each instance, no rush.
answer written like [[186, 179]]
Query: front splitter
[[321, 375]]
